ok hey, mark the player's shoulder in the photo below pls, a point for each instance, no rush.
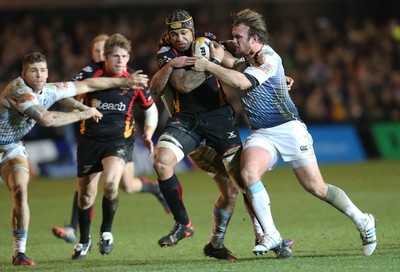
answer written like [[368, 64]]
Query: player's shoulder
[[165, 50], [16, 88], [91, 70]]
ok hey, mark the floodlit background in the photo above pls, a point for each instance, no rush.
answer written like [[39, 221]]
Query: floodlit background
[[343, 55], [345, 59]]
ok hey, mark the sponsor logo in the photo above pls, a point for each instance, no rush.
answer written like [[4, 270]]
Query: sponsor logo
[[303, 148], [61, 85], [98, 104], [88, 69], [231, 134], [86, 168]]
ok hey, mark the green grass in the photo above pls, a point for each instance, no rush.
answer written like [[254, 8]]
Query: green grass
[[325, 240]]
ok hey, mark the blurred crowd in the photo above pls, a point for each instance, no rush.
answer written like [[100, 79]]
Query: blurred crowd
[[347, 72]]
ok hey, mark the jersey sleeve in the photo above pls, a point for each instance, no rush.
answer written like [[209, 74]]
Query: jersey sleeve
[[164, 55], [262, 72], [61, 90], [145, 99], [24, 98]]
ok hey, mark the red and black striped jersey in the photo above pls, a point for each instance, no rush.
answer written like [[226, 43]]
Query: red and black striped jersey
[[116, 105]]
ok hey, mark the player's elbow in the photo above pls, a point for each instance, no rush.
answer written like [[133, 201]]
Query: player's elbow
[[241, 84]]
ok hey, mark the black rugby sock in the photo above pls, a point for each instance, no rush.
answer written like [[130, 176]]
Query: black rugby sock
[[109, 209], [84, 225], [74, 216], [172, 191]]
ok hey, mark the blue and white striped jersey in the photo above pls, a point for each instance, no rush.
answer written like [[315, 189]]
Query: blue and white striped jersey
[[268, 104]]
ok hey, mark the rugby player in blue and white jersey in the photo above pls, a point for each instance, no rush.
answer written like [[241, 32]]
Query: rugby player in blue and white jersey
[[23, 103], [277, 130]]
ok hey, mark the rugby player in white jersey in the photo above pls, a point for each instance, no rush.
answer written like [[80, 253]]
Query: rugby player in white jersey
[[23, 103]]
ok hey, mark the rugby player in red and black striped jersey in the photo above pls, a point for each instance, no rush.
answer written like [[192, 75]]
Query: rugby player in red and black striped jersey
[[105, 147], [129, 182]]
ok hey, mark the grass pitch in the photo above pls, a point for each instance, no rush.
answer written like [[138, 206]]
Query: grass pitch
[[325, 239]]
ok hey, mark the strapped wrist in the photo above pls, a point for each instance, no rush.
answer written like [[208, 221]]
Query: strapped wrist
[[215, 60], [80, 115]]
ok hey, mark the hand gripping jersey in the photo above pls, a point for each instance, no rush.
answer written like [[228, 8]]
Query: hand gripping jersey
[[208, 96], [115, 104], [17, 97]]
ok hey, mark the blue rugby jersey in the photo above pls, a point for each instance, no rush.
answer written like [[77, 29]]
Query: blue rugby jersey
[[268, 104]]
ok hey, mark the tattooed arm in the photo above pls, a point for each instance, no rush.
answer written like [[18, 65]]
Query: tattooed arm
[[160, 79], [72, 104], [57, 118]]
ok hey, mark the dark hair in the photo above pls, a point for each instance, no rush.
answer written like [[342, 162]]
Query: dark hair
[[32, 58], [255, 21]]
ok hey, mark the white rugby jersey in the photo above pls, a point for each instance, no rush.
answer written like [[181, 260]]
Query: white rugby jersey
[[17, 97], [269, 103]]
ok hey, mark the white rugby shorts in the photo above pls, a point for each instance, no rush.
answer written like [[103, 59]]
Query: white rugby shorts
[[291, 141], [11, 151]]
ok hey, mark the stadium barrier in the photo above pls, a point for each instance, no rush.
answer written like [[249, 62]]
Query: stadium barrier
[[332, 144], [387, 137]]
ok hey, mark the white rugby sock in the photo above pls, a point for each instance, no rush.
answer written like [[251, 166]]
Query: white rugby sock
[[258, 230], [19, 240], [338, 199], [260, 202]]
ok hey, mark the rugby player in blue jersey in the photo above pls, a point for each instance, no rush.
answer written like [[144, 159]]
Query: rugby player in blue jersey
[[276, 129]]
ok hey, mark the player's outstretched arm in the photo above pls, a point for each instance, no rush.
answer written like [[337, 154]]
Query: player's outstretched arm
[[136, 80], [58, 118]]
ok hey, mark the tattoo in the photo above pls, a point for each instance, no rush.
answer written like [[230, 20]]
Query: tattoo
[[187, 81], [35, 112], [52, 118], [79, 106]]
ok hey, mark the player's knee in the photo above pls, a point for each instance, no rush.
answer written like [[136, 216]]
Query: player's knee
[[86, 201], [110, 190], [168, 154], [249, 175]]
